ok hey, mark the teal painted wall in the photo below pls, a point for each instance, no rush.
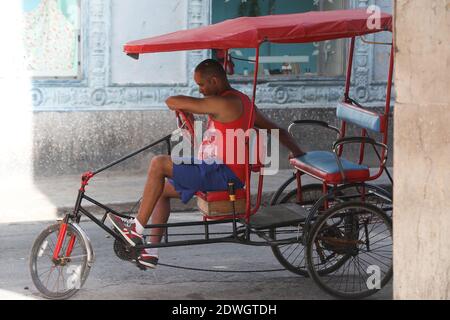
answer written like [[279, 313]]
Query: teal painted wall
[[64, 5], [223, 10], [70, 10], [30, 5]]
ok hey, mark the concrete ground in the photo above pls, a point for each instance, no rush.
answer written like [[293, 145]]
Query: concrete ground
[[111, 278]]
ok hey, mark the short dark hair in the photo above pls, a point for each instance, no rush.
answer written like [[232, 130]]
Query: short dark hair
[[211, 68]]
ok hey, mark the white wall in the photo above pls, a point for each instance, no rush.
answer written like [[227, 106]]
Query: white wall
[[21, 200], [137, 19]]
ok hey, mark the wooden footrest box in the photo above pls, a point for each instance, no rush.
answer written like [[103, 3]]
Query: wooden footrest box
[[213, 204]]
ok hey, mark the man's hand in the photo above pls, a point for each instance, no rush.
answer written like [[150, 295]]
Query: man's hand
[[286, 139], [190, 117]]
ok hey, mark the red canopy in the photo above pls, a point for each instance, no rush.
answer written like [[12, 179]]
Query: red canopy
[[250, 32]]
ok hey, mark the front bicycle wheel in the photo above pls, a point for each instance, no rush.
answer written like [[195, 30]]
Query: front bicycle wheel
[[59, 278], [358, 234]]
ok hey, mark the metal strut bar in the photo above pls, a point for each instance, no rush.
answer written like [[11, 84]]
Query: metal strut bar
[[385, 168], [375, 42], [166, 138], [218, 271], [241, 59]]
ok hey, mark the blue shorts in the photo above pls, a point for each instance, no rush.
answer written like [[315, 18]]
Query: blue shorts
[[189, 178]]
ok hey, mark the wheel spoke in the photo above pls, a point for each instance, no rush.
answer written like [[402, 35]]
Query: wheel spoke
[[41, 274], [375, 258], [302, 254], [361, 276], [48, 277], [78, 257], [293, 255]]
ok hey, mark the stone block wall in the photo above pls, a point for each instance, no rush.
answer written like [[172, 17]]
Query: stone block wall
[[422, 145], [66, 143]]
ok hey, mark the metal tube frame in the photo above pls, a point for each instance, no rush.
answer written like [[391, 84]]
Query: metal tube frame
[[232, 237]]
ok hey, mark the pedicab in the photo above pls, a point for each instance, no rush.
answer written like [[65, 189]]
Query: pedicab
[[336, 231]]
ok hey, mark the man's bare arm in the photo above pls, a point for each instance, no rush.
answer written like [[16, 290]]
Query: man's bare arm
[[286, 139], [194, 105], [219, 108]]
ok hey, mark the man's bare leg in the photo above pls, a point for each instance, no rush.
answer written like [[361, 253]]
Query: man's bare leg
[[160, 168], [162, 211], [156, 198]]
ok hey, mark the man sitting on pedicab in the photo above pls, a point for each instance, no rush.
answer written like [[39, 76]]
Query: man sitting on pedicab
[[227, 109]]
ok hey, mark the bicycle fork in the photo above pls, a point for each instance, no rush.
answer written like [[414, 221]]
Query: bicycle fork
[[63, 228]]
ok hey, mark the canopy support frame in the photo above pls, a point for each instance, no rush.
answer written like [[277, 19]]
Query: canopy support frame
[[248, 209]]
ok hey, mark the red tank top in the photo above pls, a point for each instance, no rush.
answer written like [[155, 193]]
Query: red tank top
[[216, 135]]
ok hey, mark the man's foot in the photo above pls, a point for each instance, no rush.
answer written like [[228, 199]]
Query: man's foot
[[147, 260], [127, 229]]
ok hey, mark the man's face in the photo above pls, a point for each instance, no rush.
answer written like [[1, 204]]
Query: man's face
[[206, 86]]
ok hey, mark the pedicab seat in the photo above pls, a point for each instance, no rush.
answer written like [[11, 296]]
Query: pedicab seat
[[323, 165]]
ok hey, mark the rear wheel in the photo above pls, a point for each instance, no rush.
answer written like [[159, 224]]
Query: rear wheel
[[292, 256], [357, 237], [59, 278]]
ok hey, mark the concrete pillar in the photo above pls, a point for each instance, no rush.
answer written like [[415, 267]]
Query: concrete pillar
[[422, 150]]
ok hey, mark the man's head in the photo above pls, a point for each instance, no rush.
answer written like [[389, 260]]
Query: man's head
[[210, 77]]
